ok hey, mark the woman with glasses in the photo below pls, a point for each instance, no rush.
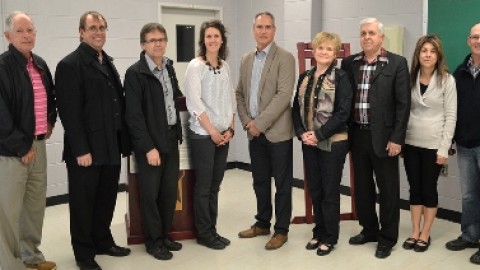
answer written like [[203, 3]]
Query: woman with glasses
[[211, 105], [429, 135]]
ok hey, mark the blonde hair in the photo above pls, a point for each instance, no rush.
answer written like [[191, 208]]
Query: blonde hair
[[323, 37]]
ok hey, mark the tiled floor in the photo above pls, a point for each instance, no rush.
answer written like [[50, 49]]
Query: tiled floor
[[237, 208]]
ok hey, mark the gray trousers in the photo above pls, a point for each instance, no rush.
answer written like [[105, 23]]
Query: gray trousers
[[22, 208]]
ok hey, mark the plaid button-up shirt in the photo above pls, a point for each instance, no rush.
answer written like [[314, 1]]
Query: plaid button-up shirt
[[361, 110]]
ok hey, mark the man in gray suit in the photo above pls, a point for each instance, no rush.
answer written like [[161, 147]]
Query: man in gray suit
[[264, 91]]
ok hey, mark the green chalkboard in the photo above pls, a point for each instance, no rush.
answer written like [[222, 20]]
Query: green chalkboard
[[452, 20]]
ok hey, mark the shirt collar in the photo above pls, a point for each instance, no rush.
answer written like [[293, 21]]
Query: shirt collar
[[152, 66], [381, 57], [266, 50]]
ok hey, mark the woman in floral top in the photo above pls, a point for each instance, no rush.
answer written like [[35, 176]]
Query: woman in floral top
[[321, 109]]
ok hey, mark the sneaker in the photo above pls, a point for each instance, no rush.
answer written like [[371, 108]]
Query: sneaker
[[460, 244], [46, 265]]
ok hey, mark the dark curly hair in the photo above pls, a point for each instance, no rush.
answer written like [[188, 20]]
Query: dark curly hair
[[223, 53]]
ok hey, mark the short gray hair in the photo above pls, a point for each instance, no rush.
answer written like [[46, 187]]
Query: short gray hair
[[264, 13], [372, 20], [11, 16]]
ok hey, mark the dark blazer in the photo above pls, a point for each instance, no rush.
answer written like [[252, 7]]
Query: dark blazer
[[145, 111], [341, 106], [17, 116], [389, 98], [85, 108]]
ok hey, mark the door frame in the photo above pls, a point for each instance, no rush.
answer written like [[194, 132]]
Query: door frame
[[218, 11]]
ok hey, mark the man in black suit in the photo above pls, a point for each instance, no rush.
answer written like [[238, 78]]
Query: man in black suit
[[91, 106], [379, 119]]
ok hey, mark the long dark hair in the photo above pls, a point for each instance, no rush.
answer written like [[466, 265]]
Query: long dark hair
[[440, 66], [223, 53]]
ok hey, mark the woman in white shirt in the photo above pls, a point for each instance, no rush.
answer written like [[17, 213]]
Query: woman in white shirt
[[429, 135], [211, 104]]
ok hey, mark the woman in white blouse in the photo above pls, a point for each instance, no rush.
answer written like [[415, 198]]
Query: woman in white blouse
[[429, 135], [211, 104]]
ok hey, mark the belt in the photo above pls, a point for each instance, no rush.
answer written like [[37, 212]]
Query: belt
[[362, 126], [39, 137]]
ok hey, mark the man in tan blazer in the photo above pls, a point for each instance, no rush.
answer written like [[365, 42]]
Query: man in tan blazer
[[264, 91]]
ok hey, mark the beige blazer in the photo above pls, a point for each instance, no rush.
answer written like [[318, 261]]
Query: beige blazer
[[275, 92]]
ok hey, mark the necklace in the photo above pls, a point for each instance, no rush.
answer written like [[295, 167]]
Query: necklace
[[216, 70]]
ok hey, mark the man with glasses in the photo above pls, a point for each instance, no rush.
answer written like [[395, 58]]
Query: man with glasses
[[91, 106], [264, 91], [27, 116], [151, 88], [467, 137]]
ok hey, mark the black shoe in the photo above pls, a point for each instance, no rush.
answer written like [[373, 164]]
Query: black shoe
[[460, 244], [88, 265], [383, 251], [312, 244], [421, 246], [475, 258], [361, 239], [222, 239], [172, 245], [160, 253], [115, 251], [212, 243], [323, 252], [409, 243]]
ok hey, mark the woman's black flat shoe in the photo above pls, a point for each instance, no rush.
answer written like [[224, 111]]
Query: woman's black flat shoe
[[409, 243], [421, 246], [321, 252], [312, 244]]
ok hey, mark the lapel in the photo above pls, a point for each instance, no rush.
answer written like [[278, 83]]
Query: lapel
[[266, 68], [380, 66], [248, 73], [431, 86]]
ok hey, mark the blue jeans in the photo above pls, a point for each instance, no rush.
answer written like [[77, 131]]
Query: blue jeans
[[469, 168]]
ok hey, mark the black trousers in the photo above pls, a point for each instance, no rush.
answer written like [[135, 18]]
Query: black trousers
[[422, 174], [158, 186], [272, 160], [209, 162], [323, 173], [92, 198], [387, 178]]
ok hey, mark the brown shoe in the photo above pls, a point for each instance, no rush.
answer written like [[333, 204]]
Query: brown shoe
[[276, 241], [253, 232], [46, 265]]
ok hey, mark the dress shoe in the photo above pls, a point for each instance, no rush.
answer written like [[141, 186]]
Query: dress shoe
[[222, 239], [46, 265], [276, 241], [88, 265], [160, 253], [409, 243], [213, 243], [421, 246], [172, 245], [327, 249], [115, 251], [312, 244], [383, 251], [361, 239], [460, 244], [475, 258], [253, 232]]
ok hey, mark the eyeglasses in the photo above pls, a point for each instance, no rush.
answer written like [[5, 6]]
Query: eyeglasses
[[95, 29], [156, 40], [474, 37], [264, 27]]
